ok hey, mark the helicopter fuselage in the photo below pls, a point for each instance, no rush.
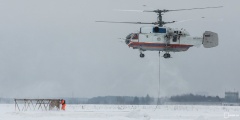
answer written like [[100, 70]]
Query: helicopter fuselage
[[162, 39], [168, 40]]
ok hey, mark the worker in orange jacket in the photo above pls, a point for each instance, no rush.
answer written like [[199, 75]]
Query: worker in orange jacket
[[63, 102]]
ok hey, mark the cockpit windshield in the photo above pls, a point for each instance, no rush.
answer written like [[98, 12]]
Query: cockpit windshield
[[135, 36], [132, 36], [129, 36]]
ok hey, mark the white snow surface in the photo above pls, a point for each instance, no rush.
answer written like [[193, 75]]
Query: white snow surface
[[125, 112]]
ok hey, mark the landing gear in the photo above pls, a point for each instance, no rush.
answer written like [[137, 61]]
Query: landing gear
[[167, 55], [142, 55]]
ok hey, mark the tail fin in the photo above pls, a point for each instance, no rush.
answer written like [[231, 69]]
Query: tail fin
[[210, 39]]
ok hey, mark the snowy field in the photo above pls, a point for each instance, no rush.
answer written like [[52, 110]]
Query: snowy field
[[125, 112]]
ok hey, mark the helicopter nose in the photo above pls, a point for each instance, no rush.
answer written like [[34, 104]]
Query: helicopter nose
[[127, 41]]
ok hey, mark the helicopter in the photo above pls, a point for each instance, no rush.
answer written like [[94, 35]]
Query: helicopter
[[166, 39]]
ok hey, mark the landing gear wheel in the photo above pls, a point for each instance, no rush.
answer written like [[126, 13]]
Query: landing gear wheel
[[167, 55], [142, 55]]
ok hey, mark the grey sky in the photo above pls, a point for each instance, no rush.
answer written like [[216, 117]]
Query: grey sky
[[52, 48]]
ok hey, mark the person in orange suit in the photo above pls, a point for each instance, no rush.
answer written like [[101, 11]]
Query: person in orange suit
[[63, 102]]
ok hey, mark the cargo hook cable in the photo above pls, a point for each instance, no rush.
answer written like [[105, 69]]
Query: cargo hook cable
[[158, 99]]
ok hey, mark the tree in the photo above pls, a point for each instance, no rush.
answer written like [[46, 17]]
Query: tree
[[147, 99], [120, 100], [136, 100]]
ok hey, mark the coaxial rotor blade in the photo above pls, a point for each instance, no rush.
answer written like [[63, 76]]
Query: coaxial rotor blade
[[186, 20], [183, 21], [157, 11], [195, 8], [160, 11], [127, 22], [129, 10]]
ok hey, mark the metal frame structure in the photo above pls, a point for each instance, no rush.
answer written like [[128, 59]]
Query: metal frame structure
[[36, 104]]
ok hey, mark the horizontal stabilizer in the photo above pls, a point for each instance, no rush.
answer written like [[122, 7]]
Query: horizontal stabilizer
[[210, 39]]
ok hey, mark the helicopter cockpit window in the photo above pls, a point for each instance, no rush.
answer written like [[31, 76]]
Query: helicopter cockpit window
[[135, 36], [129, 36]]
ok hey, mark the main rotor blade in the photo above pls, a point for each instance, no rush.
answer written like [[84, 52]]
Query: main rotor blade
[[195, 8], [127, 22], [164, 10], [129, 10]]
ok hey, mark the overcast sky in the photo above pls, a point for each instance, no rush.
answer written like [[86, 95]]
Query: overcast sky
[[54, 48]]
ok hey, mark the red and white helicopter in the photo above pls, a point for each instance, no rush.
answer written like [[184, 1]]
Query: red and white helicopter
[[166, 39]]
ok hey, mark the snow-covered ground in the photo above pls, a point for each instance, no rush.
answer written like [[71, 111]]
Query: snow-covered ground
[[125, 112]]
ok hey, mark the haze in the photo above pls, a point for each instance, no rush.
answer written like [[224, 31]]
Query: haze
[[56, 49]]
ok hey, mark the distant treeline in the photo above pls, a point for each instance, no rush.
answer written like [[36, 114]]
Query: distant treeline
[[122, 100], [195, 98], [147, 100]]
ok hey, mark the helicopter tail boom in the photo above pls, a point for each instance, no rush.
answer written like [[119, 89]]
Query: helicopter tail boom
[[210, 39]]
